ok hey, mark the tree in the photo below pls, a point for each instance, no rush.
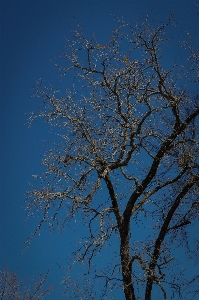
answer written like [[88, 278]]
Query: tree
[[126, 162], [13, 288]]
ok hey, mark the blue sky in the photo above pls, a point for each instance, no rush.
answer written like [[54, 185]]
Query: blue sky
[[32, 35]]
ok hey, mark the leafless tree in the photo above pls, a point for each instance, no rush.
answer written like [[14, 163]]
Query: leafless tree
[[125, 160], [13, 288]]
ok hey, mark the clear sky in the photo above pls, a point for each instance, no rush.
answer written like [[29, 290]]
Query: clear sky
[[32, 35]]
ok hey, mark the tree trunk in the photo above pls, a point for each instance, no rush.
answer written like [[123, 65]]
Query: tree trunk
[[126, 268]]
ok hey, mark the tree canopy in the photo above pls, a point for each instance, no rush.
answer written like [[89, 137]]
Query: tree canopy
[[12, 288], [124, 160]]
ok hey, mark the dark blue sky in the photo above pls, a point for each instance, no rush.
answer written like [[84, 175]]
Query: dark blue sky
[[32, 35]]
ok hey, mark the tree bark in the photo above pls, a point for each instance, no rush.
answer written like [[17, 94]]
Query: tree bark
[[126, 266]]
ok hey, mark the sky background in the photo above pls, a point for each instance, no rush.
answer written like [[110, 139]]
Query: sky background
[[32, 35]]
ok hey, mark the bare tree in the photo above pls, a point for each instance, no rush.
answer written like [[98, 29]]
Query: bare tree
[[13, 288], [125, 160]]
